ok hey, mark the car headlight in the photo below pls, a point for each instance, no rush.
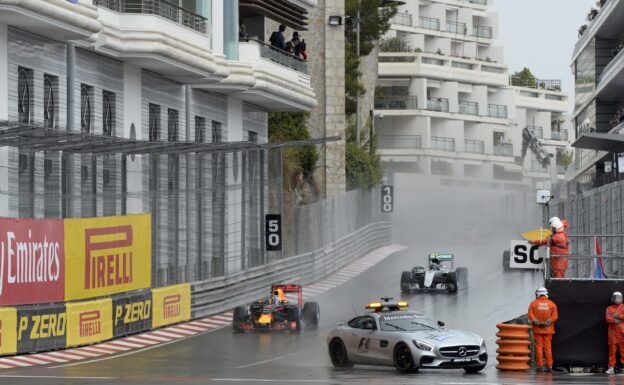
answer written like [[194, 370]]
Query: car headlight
[[423, 346], [482, 343]]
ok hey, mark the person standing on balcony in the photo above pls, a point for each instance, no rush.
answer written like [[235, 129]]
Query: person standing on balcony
[[542, 315], [614, 316], [278, 40], [558, 243]]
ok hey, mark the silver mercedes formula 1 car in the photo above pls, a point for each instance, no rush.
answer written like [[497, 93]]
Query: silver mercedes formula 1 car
[[407, 340]]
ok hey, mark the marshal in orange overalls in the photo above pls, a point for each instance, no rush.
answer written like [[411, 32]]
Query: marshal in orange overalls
[[614, 316], [543, 315]]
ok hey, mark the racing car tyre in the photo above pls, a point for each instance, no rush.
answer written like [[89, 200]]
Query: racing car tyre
[[240, 315], [474, 369], [462, 277], [506, 260], [311, 313], [338, 354], [295, 316], [406, 279], [403, 359]]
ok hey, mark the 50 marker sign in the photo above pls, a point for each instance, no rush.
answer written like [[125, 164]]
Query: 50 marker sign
[[273, 232], [387, 199]]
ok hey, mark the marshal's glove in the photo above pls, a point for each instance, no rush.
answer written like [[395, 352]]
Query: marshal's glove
[[548, 322], [537, 322]]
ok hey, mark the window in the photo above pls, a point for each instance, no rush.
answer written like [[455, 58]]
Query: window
[[50, 96], [252, 136], [86, 108], [216, 132], [363, 322], [24, 90], [200, 129], [172, 125], [108, 113], [154, 122]]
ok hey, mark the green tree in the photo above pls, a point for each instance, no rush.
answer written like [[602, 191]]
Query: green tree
[[362, 166], [524, 78]]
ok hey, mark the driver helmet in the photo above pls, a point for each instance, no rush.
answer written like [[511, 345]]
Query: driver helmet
[[541, 292], [616, 298]]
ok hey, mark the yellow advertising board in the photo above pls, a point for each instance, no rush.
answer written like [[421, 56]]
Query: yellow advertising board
[[89, 322], [108, 255], [172, 304], [8, 330]]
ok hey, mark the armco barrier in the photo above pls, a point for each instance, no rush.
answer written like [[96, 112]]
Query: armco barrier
[[580, 338], [224, 293]]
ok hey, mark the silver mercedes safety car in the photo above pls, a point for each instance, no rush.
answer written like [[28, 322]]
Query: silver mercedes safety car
[[406, 340]]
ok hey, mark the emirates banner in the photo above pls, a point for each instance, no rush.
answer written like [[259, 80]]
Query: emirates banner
[[32, 261]]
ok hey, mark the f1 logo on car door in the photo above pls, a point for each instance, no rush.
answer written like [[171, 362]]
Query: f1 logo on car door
[[525, 255], [273, 232]]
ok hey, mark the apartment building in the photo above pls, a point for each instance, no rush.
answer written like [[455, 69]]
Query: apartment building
[[112, 107], [446, 106]]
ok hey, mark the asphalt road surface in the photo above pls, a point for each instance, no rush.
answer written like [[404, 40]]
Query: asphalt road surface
[[221, 357]]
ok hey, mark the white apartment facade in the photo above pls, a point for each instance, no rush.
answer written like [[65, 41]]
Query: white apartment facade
[[151, 71], [444, 105]]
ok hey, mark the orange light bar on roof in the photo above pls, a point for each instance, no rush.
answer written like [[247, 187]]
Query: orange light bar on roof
[[403, 304], [373, 305]]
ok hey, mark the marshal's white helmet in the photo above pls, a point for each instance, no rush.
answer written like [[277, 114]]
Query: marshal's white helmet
[[616, 297], [555, 223], [541, 292]]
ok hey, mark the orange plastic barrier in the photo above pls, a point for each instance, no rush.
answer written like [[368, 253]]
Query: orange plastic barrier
[[513, 347]]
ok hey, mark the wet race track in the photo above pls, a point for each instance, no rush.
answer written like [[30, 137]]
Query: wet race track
[[221, 357]]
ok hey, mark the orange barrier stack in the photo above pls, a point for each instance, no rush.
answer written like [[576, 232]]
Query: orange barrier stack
[[514, 343]]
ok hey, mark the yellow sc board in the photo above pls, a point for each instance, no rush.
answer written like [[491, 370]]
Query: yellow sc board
[[8, 331], [537, 235], [89, 322], [172, 304]]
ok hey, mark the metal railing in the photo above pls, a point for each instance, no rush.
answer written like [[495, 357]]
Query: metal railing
[[481, 2], [282, 57], [456, 27], [403, 19], [442, 143], [429, 23], [395, 44], [497, 111], [482, 31], [160, 8], [430, 60], [474, 146], [559, 135], [438, 104], [400, 141], [503, 149], [537, 131], [469, 108], [610, 65], [539, 84], [396, 103]]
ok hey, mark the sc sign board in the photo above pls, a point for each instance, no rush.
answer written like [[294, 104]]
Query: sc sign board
[[524, 255], [387, 199], [273, 232]]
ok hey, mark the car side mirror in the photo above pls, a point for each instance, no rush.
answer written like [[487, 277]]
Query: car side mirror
[[441, 324]]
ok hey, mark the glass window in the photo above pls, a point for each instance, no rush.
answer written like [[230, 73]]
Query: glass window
[[585, 74], [154, 122], [363, 322], [399, 322], [50, 98], [252, 136], [216, 132], [230, 29], [172, 125], [200, 129], [86, 108], [24, 94], [108, 112]]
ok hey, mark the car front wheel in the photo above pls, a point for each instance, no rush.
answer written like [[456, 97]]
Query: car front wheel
[[403, 360]]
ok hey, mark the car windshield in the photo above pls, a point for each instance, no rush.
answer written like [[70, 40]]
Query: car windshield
[[406, 323]]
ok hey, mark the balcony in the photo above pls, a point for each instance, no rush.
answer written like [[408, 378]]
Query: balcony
[[429, 23], [480, 2], [562, 169], [482, 31], [561, 135], [438, 104], [537, 131], [503, 149], [497, 111], [396, 103], [443, 144], [281, 57], [456, 27], [537, 167], [469, 108], [400, 142], [538, 84], [160, 8], [403, 19], [474, 146]]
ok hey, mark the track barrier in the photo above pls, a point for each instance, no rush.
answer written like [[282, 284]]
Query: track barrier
[[513, 350]]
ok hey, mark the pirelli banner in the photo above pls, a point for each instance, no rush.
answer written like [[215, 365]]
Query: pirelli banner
[[172, 304], [106, 256]]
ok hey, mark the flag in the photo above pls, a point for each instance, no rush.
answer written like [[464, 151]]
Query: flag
[[599, 270]]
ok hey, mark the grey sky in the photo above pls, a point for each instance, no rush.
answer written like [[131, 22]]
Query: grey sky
[[540, 34]]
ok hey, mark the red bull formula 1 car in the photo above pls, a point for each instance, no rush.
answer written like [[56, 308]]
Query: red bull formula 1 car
[[276, 312]]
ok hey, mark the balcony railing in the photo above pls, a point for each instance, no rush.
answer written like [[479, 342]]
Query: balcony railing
[[540, 84], [503, 149], [282, 57], [559, 135], [482, 31], [562, 169], [160, 8], [537, 166], [403, 19], [396, 103], [400, 142], [482, 2], [537, 131], [438, 104], [456, 27], [443, 144], [474, 146], [610, 65], [469, 108], [429, 23], [497, 111]]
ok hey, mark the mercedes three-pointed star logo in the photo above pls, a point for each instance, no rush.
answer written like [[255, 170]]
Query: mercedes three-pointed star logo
[[462, 351]]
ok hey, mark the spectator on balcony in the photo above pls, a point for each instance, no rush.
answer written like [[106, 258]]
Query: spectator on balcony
[[242, 32], [278, 40], [300, 50]]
